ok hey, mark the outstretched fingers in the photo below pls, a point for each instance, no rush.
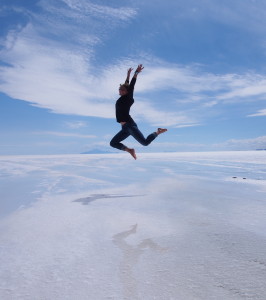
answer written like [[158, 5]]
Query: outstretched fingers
[[139, 68]]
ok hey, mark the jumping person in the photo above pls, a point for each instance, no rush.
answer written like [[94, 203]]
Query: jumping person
[[129, 127]]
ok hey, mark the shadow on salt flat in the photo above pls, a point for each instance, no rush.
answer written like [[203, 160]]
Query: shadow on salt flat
[[94, 197]]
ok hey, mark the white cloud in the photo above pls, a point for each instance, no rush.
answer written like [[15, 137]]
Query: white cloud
[[145, 110], [76, 124], [49, 60], [187, 125], [87, 7], [47, 75], [199, 85], [65, 134], [50, 77], [229, 145], [249, 15], [249, 88], [58, 74], [178, 146], [243, 144], [260, 113]]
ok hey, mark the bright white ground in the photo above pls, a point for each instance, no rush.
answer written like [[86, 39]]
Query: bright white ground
[[167, 226]]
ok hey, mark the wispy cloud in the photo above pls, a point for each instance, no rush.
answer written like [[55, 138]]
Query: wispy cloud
[[144, 109], [242, 144], [65, 134], [84, 7], [49, 64], [51, 77], [178, 146], [76, 124], [198, 85], [260, 113], [49, 60], [249, 15], [188, 125], [229, 145]]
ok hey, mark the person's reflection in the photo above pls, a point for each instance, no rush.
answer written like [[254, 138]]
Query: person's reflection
[[131, 255]]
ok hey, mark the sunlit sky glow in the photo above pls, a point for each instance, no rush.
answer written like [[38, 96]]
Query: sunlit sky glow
[[61, 63]]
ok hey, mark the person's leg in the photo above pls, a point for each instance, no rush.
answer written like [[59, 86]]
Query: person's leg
[[120, 136], [132, 129], [137, 134]]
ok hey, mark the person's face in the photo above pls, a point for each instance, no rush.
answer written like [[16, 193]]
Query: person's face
[[122, 91]]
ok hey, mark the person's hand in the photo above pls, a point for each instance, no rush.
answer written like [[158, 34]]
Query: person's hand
[[139, 68], [129, 71]]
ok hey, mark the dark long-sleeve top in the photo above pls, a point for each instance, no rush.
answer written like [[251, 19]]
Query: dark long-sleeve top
[[123, 104]]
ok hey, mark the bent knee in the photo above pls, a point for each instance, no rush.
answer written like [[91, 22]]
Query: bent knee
[[145, 144]]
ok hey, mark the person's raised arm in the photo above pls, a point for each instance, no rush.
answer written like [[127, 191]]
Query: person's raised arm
[[128, 75], [134, 78], [138, 70]]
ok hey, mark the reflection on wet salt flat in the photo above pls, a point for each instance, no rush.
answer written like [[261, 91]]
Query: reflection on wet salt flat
[[94, 197], [130, 259], [199, 233]]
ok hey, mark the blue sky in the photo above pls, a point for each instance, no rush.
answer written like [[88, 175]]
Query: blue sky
[[61, 63]]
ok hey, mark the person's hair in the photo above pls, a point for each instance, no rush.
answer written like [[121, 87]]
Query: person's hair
[[125, 85]]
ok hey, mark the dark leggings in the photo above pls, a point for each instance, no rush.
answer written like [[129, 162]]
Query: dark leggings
[[131, 128]]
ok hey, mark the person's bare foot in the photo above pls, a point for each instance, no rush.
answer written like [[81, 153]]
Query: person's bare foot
[[161, 130], [132, 152]]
